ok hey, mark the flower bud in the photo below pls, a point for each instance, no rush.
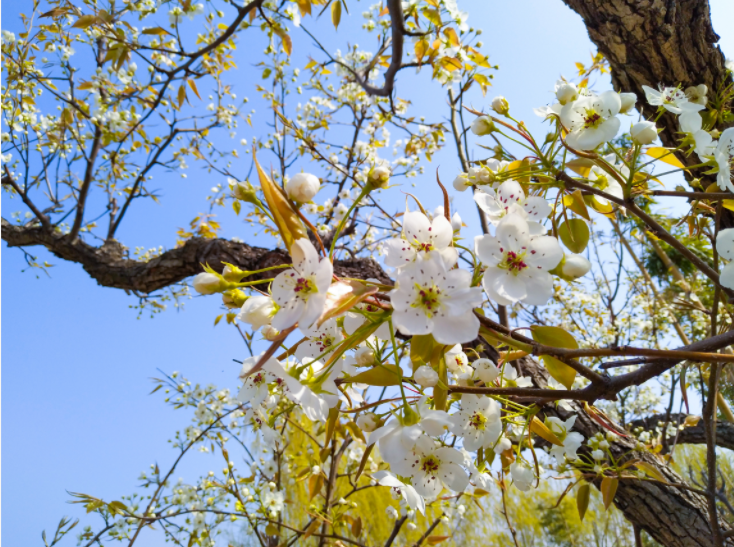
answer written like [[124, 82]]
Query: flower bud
[[234, 298], [208, 283], [575, 266], [257, 311], [233, 274], [244, 191], [368, 422], [485, 370], [597, 454], [500, 105], [628, 102], [270, 333], [461, 182], [502, 444], [425, 376], [566, 92], [315, 469], [379, 176], [644, 132], [483, 125], [364, 356], [697, 94], [302, 187]]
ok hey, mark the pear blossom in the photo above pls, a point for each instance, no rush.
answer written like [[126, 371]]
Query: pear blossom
[[571, 440], [670, 98], [483, 125], [319, 340], [511, 378], [485, 370], [414, 500], [302, 187], [689, 119], [602, 180], [430, 299], [644, 132], [314, 407], [592, 120], [725, 248], [257, 311], [522, 476], [425, 376], [502, 444], [419, 237], [500, 105], [723, 157], [207, 283], [478, 421], [354, 320], [697, 94], [518, 263], [575, 266], [368, 422], [510, 199], [628, 102], [433, 466], [566, 92], [273, 501], [255, 387], [301, 291]]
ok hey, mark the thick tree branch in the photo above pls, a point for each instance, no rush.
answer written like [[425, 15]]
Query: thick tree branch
[[688, 435], [110, 267]]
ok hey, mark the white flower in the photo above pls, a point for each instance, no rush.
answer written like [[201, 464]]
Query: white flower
[[207, 283], [379, 176], [510, 378], [432, 467], [301, 291], [670, 98], [575, 266], [502, 444], [592, 121], [456, 360], [566, 92], [510, 199], [319, 340], [269, 332], [414, 500], [597, 454], [485, 370], [644, 132], [419, 237], [522, 476], [689, 119], [518, 264], [697, 94], [604, 181], [302, 187], [353, 320], [628, 102], [368, 422], [315, 407], [429, 299], [255, 387], [425, 376], [364, 356], [725, 248], [8, 37], [500, 105], [273, 501], [462, 182], [257, 311], [723, 156], [571, 440], [478, 421], [483, 125]]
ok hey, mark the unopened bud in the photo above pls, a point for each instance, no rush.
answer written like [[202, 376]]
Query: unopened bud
[[483, 125], [379, 176], [575, 266], [500, 105], [233, 274], [270, 333], [208, 283], [245, 191], [368, 422], [425, 376], [302, 187], [364, 356], [234, 298]]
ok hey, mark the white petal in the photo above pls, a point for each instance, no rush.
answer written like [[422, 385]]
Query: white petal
[[453, 476], [511, 287], [414, 500], [449, 455], [441, 232], [510, 192], [289, 314], [488, 279], [725, 243], [487, 249], [304, 254], [412, 321], [385, 478], [537, 208], [539, 286], [312, 311], [398, 252], [544, 253], [727, 276], [512, 232], [456, 329], [416, 227]]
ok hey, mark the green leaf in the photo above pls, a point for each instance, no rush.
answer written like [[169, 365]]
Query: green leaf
[[541, 430], [336, 13], [156, 31], [381, 375], [608, 489], [559, 370], [582, 499], [574, 233], [553, 336], [85, 21], [421, 347]]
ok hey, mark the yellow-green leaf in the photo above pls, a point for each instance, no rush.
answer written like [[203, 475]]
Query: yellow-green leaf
[[336, 12], [155, 31], [286, 219], [421, 347], [650, 471], [381, 375], [331, 422], [355, 431], [357, 526], [541, 430], [665, 155], [582, 499], [553, 336], [315, 483], [608, 489], [435, 540], [559, 370], [181, 95], [580, 166], [574, 233], [85, 21], [192, 85], [363, 462], [575, 202]]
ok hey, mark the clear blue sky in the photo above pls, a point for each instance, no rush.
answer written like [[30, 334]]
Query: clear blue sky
[[76, 414]]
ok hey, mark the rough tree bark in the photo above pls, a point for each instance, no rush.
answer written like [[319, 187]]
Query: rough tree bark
[[673, 516], [109, 266]]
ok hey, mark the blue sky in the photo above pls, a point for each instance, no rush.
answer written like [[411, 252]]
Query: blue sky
[[76, 414]]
